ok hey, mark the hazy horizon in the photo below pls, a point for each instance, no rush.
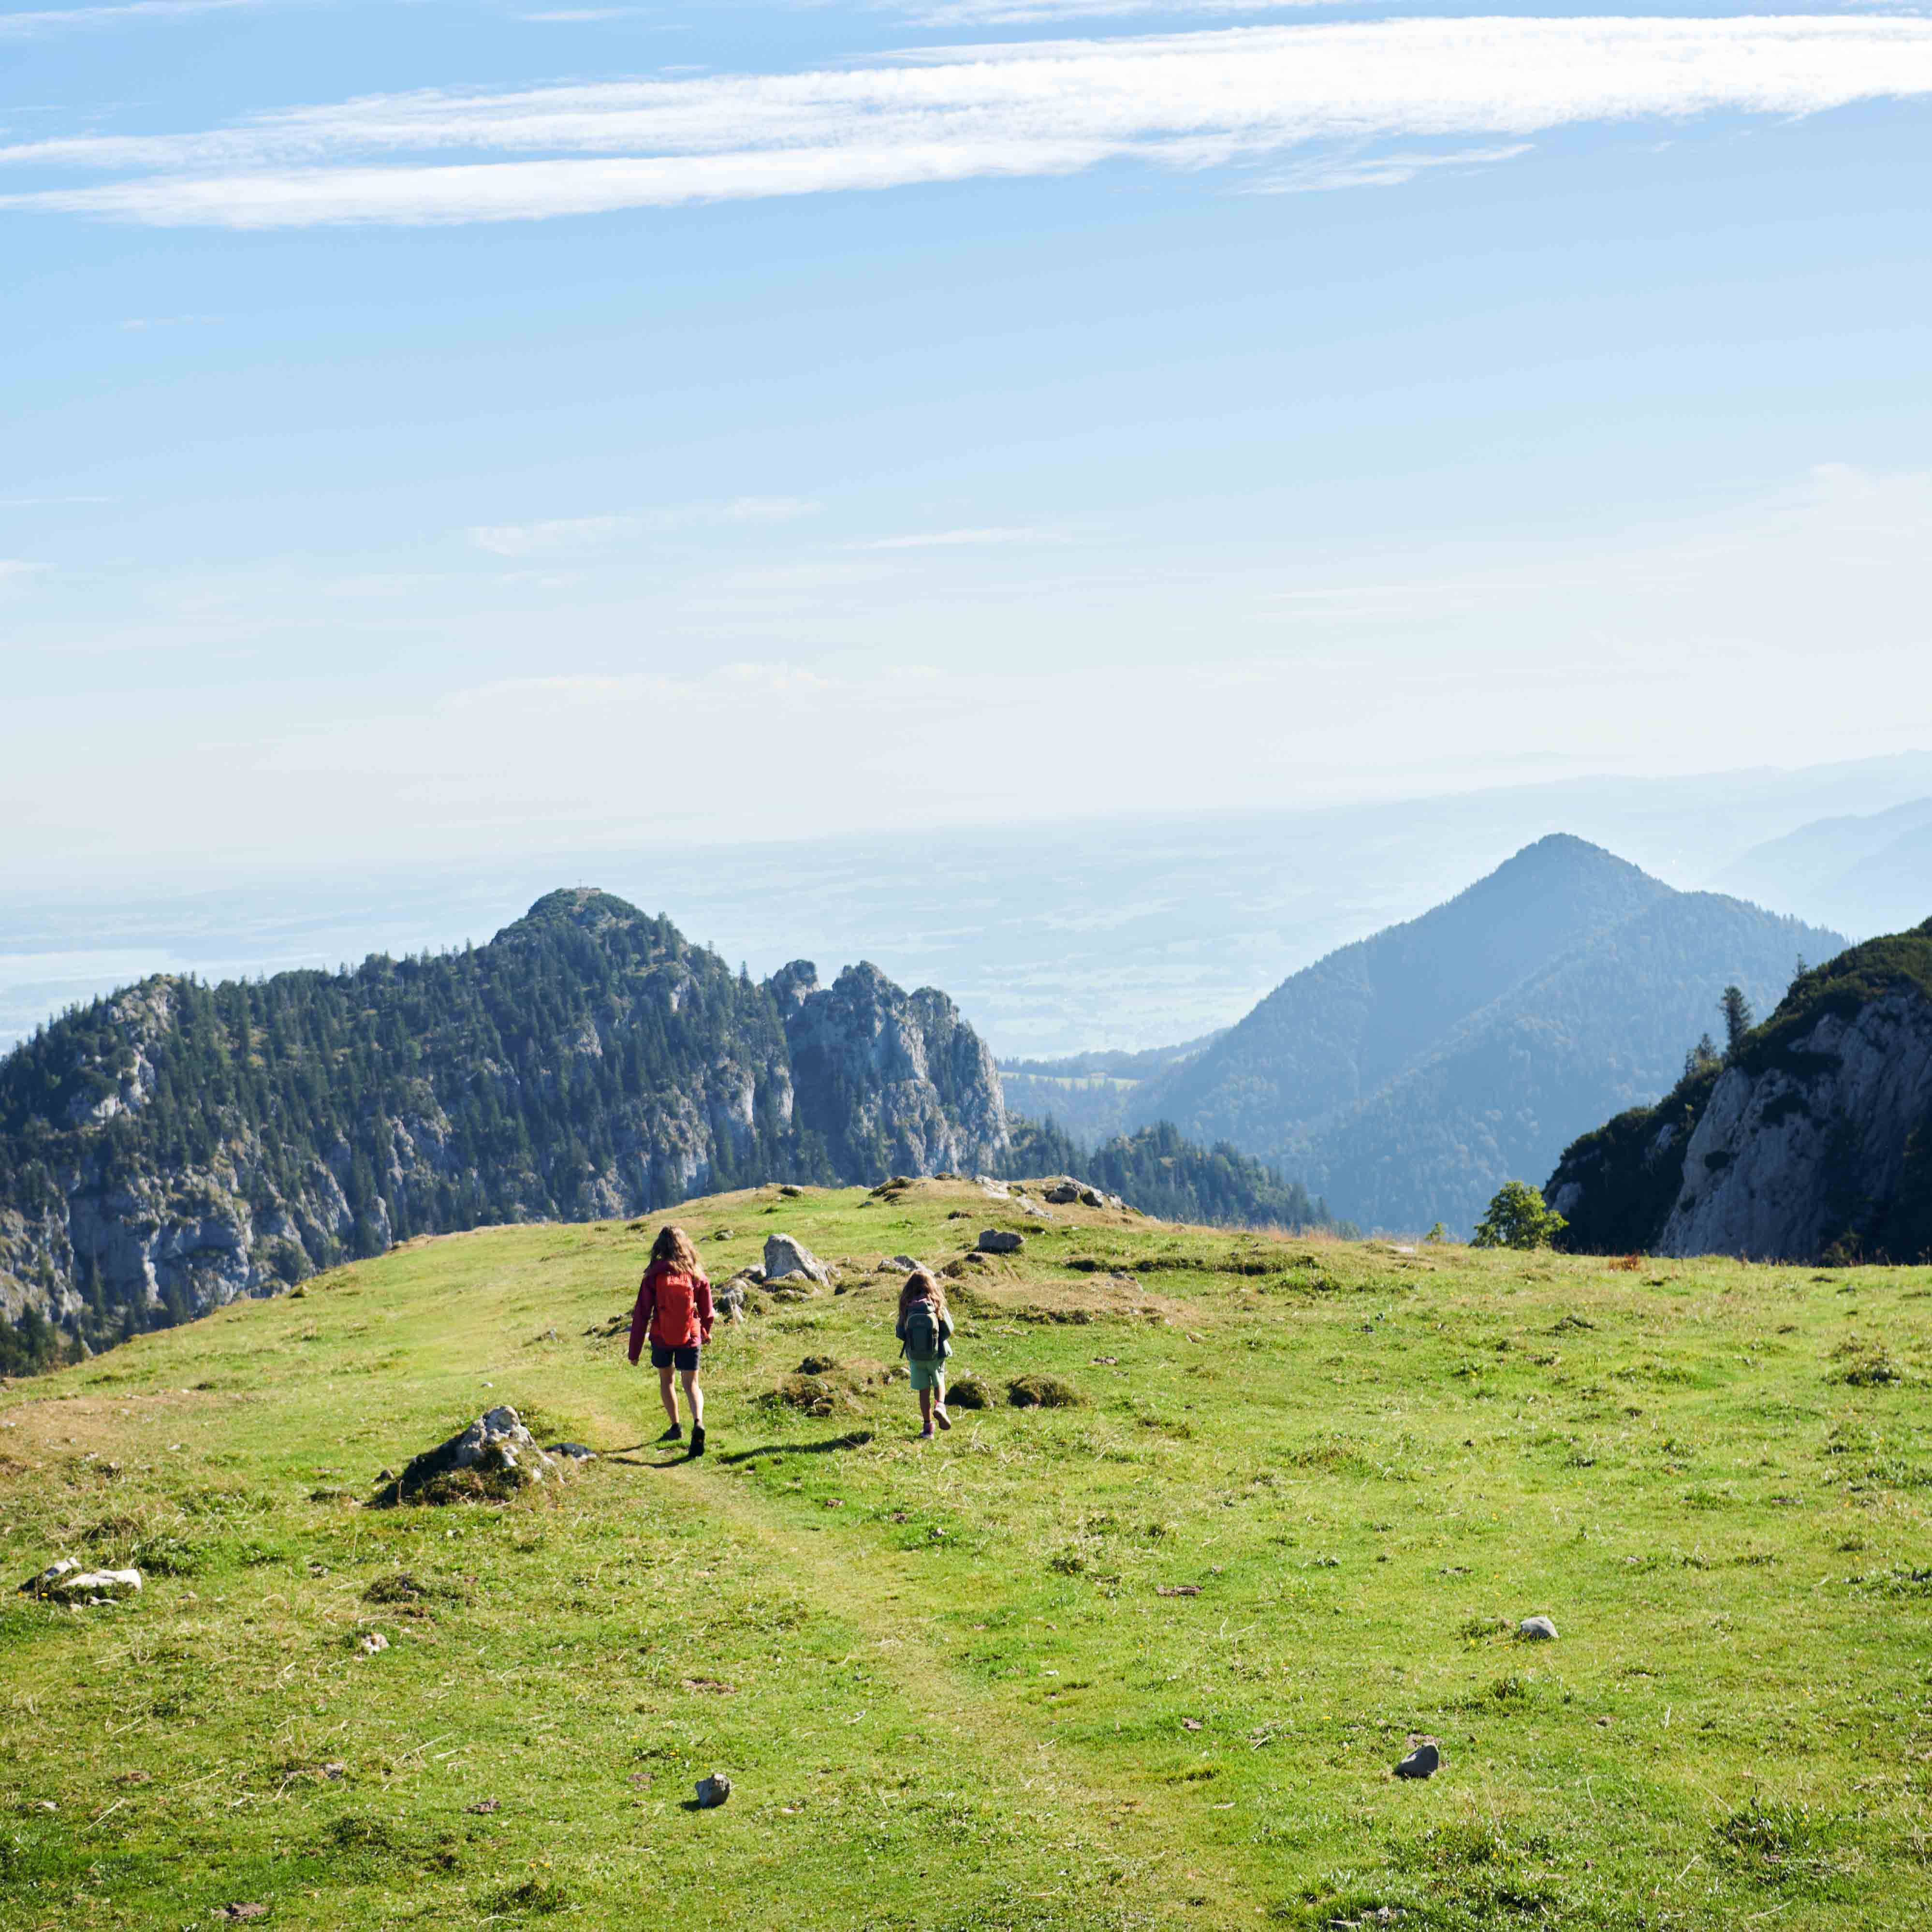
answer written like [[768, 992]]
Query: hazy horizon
[[1053, 938]]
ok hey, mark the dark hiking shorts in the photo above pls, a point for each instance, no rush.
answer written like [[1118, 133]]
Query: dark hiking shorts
[[663, 1356]]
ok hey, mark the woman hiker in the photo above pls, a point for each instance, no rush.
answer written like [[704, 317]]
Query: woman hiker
[[674, 1309]]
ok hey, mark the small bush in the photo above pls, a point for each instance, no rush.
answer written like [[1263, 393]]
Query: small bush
[[968, 1392], [1518, 1217]]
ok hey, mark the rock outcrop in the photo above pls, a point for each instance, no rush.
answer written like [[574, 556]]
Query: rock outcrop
[[890, 1081], [1813, 1141]]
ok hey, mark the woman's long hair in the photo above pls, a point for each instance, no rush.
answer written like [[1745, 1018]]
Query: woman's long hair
[[672, 1248], [921, 1286]]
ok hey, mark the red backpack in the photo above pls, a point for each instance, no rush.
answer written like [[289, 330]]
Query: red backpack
[[674, 1321]]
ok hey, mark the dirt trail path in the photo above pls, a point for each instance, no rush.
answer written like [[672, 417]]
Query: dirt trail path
[[888, 1596]]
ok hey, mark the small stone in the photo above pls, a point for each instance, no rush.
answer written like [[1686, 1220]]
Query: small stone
[[335, 1768], [1177, 1589], [484, 1806], [1537, 1629], [235, 1914], [1062, 1193], [904, 1263], [374, 1642], [1423, 1762], [1000, 1241], [713, 1790], [578, 1452], [1190, 1723]]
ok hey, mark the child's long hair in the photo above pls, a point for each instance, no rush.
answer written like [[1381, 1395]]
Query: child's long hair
[[672, 1248], [921, 1286]]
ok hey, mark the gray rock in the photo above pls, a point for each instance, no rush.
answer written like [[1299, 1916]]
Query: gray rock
[[578, 1452], [496, 1442], [713, 1790], [1000, 1241], [373, 1644], [1092, 1197], [1062, 1193], [1537, 1629], [786, 1257], [66, 1582], [905, 1264], [730, 1299], [1423, 1762]]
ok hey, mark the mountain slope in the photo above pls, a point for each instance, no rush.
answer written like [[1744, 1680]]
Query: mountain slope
[[1336, 1032], [1404, 1078], [167, 1150], [1869, 875], [1604, 1025], [1815, 1139]]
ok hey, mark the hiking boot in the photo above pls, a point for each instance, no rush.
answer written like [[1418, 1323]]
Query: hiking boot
[[675, 1433], [940, 1416], [697, 1440]]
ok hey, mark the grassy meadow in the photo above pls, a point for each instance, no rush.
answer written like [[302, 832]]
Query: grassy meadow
[[1143, 1660]]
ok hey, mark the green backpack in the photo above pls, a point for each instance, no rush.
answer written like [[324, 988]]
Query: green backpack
[[922, 1340]]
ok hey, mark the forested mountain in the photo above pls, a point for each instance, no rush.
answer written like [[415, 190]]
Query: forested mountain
[[1091, 1095], [167, 1149], [1406, 1077], [1161, 1173], [1810, 1139]]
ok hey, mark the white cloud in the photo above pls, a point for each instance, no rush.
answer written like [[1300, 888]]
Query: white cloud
[[1186, 100], [65, 19], [12, 568], [1391, 170], [557, 534], [1034, 13], [955, 539]]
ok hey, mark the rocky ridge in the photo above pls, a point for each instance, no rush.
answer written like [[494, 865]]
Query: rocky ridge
[[175, 1146], [1813, 1141]]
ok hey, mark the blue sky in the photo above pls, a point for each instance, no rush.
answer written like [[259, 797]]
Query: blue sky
[[435, 430]]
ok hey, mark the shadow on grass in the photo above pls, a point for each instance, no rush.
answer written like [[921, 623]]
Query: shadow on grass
[[855, 1438]]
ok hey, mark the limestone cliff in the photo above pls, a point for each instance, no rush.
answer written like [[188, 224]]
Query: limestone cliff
[[1814, 1140], [891, 1081]]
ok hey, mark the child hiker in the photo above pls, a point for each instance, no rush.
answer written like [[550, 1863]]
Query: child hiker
[[925, 1331], [674, 1309]]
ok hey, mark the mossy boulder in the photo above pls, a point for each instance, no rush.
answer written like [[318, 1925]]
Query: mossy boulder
[[1042, 1392]]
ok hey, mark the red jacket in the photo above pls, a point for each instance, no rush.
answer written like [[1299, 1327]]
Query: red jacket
[[673, 1308]]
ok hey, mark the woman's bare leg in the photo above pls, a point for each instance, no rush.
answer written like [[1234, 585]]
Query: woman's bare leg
[[669, 1394]]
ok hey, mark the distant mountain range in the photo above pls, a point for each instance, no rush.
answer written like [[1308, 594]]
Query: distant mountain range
[[1811, 1141], [1871, 873], [1404, 1078]]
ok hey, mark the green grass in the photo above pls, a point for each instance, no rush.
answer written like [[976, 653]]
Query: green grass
[[1143, 1660]]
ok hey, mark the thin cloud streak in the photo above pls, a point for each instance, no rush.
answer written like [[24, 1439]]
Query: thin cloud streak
[[954, 539], [1037, 13], [1189, 100], [69, 20], [565, 534]]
